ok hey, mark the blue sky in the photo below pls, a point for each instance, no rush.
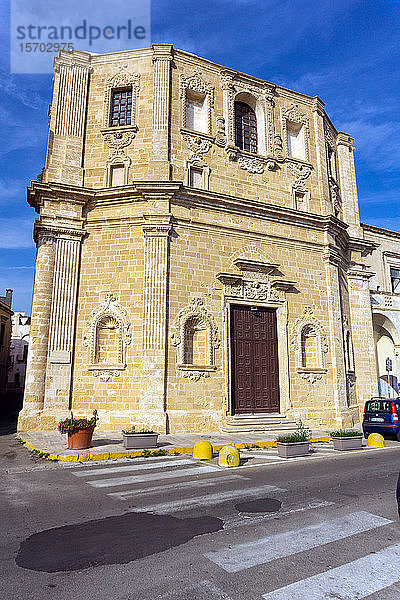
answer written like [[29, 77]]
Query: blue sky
[[347, 52]]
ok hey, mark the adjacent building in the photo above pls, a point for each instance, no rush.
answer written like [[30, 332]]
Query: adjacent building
[[18, 355], [5, 337], [200, 259]]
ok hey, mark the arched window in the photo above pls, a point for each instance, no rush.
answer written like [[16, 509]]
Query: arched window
[[309, 348], [245, 127], [108, 341]]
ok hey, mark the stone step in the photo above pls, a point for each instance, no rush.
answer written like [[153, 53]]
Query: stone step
[[258, 422]]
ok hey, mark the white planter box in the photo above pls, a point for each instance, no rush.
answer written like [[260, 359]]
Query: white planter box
[[291, 450], [347, 443], [140, 441]]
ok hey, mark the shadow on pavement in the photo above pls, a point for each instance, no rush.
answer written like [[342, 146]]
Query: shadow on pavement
[[113, 540]]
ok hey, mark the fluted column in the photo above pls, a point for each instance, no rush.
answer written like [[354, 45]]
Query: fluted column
[[332, 263], [362, 334], [323, 183], [67, 119], [62, 325], [39, 332], [154, 348], [159, 168], [348, 184]]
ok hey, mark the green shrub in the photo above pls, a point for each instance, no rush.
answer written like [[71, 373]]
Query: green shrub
[[345, 433], [301, 435]]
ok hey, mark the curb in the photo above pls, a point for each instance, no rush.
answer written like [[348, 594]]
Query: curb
[[139, 453]]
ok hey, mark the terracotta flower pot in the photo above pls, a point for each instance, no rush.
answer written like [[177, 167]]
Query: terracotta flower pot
[[81, 439]]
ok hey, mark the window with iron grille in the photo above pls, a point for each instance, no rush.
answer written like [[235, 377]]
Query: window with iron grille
[[245, 127], [121, 107]]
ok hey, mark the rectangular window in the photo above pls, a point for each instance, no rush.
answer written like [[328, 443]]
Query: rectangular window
[[300, 200], [395, 279], [196, 118], [117, 175], [295, 140], [121, 107], [2, 333], [25, 354], [196, 177]]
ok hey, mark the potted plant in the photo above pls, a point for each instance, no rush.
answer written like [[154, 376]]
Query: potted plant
[[79, 431], [294, 444], [138, 439], [346, 439]]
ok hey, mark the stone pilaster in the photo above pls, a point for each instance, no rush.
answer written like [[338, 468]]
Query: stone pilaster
[[156, 232], [39, 333], [67, 119], [159, 168], [62, 325], [348, 184], [323, 183], [227, 78], [332, 264], [362, 334]]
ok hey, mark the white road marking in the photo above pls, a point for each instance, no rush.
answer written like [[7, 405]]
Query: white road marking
[[133, 479], [199, 501], [133, 467], [258, 552], [354, 580], [127, 495]]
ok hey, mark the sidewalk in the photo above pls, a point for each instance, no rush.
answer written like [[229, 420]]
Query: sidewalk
[[108, 445]]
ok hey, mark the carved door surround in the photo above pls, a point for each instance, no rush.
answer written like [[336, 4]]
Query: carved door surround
[[258, 283]]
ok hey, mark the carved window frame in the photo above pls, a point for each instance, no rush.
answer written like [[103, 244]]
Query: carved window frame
[[117, 161], [198, 85], [309, 320], [108, 309], [205, 169], [121, 80], [293, 115], [195, 311]]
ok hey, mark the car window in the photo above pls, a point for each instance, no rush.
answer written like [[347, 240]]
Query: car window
[[378, 406]]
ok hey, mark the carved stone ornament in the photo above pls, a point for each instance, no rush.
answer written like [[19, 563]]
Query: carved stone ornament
[[253, 165], [105, 375], [197, 313], [197, 145], [120, 139], [278, 145], [195, 375], [300, 171], [335, 197], [311, 377], [220, 135], [109, 314], [330, 136]]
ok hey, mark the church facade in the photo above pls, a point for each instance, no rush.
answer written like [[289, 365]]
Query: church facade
[[200, 259]]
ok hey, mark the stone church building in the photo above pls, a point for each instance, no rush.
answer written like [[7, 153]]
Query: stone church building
[[201, 265]]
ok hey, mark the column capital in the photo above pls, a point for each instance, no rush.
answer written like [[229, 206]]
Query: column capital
[[318, 106], [157, 225], [42, 233], [163, 52], [344, 139]]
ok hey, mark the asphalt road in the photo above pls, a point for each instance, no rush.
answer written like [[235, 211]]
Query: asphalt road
[[321, 528]]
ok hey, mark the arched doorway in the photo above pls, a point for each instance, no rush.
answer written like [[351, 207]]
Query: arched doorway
[[387, 346]]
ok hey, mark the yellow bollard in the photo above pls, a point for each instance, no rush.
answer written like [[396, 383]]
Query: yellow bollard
[[229, 457], [376, 439], [202, 450]]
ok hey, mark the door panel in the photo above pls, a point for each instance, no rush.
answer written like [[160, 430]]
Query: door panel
[[255, 373]]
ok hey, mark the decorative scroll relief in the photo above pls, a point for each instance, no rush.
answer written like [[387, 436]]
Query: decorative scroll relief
[[109, 317], [253, 165], [192, 319], [197, 145], [251, 286], [310, 344]]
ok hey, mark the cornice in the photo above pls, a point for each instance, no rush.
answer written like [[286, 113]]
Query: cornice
[[380, 231], [360, 245]]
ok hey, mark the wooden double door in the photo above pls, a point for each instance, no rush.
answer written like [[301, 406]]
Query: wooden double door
[[254, 354]]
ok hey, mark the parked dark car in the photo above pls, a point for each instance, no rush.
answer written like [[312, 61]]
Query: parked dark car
[[381, 415]]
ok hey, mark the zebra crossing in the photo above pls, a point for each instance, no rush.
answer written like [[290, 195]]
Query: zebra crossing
[[192, 484], [166, 485]]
